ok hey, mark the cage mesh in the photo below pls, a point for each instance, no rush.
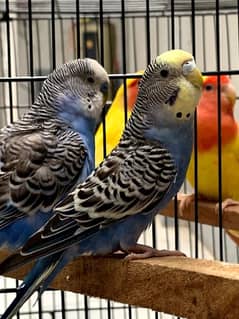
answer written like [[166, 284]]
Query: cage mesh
[[36, 36]]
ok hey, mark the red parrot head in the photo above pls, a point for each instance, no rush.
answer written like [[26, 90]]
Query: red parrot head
[[209, 98], [207, 112]]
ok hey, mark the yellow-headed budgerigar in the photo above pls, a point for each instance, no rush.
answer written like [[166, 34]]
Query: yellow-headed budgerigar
[[207, 140], [44, 154], [115, 118], [117, 202]]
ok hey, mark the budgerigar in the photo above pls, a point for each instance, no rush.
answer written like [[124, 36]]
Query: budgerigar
[[118, 201], [207, 140], [115, 118], [44, 155]]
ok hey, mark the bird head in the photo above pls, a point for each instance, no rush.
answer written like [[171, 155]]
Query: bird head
[[170, 89], [77, 88], [209, 98]]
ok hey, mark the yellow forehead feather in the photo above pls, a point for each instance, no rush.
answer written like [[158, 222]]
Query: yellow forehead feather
[[174, 57]]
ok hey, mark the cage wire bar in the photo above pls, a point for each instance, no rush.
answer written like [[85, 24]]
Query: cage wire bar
[[65, 25]]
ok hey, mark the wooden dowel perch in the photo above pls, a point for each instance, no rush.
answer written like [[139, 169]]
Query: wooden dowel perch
[[191, 288], [206, 213], [186, 287]]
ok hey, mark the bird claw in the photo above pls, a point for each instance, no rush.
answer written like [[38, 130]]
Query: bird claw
[[143, 252], [225, 204], [233, 234], [185, 202]]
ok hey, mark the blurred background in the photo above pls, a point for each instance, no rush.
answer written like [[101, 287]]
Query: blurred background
[[38, 35]]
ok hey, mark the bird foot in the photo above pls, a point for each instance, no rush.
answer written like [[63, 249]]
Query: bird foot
[[185, 202], [226, 203], [233, 234], [142, 252]]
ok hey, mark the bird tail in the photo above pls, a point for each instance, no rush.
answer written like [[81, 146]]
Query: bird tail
[[42, 273]]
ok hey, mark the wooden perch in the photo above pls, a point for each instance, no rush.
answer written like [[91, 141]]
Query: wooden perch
[[191, 288], [206, 213]]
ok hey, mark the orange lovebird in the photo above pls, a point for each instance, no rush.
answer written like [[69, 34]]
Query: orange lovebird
[[207, 140], [115, 118]]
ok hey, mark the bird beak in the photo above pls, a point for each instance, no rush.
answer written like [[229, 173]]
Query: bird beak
[[195, 77], [192, 73]]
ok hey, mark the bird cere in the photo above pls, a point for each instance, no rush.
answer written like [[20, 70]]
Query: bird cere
[[108, 210]]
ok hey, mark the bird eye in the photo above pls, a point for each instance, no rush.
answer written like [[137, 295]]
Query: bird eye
[[104, 87], [164, 73], [90, 79], [208, 87]]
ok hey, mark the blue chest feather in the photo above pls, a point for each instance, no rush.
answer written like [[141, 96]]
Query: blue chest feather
[[179, 142]]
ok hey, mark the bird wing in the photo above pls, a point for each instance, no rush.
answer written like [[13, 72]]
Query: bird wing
[[37, 167], [131, 180]]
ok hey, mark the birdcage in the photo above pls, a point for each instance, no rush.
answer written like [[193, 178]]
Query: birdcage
[[124, 35]]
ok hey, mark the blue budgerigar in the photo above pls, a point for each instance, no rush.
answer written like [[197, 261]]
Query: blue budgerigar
[[44, 154], [118, 201]]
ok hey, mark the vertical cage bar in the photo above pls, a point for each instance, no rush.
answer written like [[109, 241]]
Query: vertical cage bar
[[9, 58], [110, 37], [175, 199], [102, 62], [53, 34], [86, 308], [101, 33], [134, 44], [148, 48], [30, 48], [228, 42], [124, 56], [63, 46], [195, 139], [63, 305], [172, 24], [124, 83], [238, 21], [218, 61], [78, 29], [108, 310]]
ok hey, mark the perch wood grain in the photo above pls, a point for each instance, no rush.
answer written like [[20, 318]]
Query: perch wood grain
[[191, 288]]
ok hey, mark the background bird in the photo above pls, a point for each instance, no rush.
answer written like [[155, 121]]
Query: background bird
[[115, 118], [117, 202], [44, 154], [207, 144]]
